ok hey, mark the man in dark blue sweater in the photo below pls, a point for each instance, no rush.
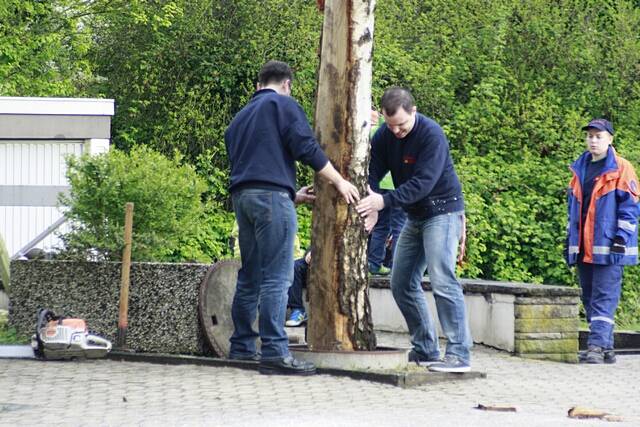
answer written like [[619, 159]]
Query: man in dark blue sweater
[[263, 142], [415, 150]]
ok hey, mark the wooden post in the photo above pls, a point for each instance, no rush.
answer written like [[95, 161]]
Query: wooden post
[[123, 321], [340, 314]]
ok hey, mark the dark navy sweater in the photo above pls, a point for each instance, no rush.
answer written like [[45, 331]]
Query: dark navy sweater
[[421, 167], [266, 138]]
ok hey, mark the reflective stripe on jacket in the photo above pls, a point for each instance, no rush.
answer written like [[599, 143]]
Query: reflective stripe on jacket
[[613, 212]]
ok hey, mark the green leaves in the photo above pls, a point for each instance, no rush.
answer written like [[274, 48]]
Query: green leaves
[[510, 82], [42, 49], [516, 215], [170, 223]]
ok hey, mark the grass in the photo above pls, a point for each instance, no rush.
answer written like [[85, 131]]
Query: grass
[[8, 335], [632, 327]]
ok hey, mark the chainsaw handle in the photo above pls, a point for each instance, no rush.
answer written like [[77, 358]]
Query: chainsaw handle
[[43, 317], [99, 342]]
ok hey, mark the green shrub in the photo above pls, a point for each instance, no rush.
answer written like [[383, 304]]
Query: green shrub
[[510, 82], [169, 222], [8, 334]]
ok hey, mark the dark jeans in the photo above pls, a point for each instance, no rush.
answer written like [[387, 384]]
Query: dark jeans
[[390, 222], [300, 269], [267, 225], [601, 286]]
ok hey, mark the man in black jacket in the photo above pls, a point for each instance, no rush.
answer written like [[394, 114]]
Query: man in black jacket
[[263, 142], [415, 150]]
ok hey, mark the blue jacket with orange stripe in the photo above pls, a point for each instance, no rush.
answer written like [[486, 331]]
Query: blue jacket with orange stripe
[[613, 212]]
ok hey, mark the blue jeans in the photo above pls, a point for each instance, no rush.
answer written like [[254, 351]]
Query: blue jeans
[[601, 287], [390, 222], [267, 225], [300, 269], [431, 244]]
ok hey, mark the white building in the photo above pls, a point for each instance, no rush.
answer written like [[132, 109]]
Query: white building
[[35, 136]]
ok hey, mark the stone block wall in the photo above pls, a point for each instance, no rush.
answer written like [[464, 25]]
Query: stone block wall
[[163, 301], [547, 328], [534, 321]]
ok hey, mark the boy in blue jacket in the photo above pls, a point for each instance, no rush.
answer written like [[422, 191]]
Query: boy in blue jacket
[[602, 233]]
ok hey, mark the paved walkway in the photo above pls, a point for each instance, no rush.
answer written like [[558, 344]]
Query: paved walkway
[[110, 393]]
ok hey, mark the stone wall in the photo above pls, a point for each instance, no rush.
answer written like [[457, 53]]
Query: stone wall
[[533, 321], [547, 328], [163, 300]]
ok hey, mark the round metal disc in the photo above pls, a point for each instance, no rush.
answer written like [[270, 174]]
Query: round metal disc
[[216, 295]]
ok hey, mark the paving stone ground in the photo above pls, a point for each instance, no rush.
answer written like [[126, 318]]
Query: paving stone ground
[[111, 393]]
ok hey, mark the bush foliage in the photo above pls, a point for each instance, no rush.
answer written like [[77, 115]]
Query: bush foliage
[[511, 82], [169, 221]]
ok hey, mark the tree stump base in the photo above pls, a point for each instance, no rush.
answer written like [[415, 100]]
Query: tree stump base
[[380, 359]]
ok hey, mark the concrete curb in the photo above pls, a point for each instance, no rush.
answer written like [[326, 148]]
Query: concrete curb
[[624, 342], [407, 378]]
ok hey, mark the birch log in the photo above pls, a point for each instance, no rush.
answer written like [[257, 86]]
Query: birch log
[[340, 313]]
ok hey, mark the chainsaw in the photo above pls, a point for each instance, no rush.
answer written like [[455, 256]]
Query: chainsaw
[[58, 337]]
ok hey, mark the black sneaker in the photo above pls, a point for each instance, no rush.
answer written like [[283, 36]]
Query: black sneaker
[[422, 360], [286, 366], [451, 363], [594, 356], [609, 356]]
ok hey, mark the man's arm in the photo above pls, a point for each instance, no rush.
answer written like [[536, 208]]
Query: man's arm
[[430, 165], [462, 245], [377, 164], [369, 206], [297, 135], [628, 209], [344, 187], [305, 195]]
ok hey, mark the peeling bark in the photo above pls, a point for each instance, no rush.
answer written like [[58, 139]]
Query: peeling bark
[[340, 313]]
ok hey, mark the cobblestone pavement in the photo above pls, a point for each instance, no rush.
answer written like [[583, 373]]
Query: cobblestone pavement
[[111, 393]]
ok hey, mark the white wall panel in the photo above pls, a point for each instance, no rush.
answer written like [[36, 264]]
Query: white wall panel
[[32, 163]]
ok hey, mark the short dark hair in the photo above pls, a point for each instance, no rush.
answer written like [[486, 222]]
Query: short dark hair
[[394, 98], [274, 72]]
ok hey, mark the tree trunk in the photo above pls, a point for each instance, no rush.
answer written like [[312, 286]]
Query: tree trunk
[[340, 313]]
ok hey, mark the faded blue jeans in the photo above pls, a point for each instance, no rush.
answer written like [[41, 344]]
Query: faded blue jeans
[[432, 245], [267, 225]]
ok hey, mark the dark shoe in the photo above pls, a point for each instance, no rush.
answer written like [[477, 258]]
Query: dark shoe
[[422, 360], [451, 364], [595, 355], [286, 366], [249, 358], [582, 356], [609, 356]]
